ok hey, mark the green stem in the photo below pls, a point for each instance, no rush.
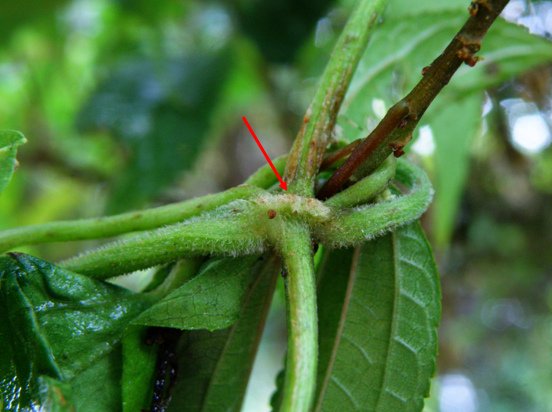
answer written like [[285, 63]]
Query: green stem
[[366, 189], [364, 223], [302, 355], [226, 231], [103, 227], [308, 149]]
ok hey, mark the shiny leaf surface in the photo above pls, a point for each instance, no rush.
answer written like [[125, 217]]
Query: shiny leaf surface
[[67, 327]]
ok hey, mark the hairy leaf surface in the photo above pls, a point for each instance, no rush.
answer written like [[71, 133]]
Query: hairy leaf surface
[[211, 300], [378, 324], [9, 140], [214, 366], [61, 325]]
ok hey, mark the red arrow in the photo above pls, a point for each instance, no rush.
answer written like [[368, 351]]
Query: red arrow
[[283, 184]]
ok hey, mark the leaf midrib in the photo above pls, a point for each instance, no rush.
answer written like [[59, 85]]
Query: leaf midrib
[[394, 320]]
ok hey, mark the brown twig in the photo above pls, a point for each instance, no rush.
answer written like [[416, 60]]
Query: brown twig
[[395, 129]]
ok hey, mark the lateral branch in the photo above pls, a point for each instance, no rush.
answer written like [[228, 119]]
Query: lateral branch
[[396, 128]]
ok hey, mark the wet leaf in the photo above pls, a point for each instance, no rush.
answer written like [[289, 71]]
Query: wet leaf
[[9, 141], [67, 327], [378, 317], [214, 366]]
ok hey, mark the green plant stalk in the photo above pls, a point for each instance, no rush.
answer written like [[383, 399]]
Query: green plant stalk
[[365, 189], [302, 353], [228, 231], [103, 227], [310, 144], [363, 223]]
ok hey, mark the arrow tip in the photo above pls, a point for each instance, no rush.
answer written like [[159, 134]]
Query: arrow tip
[[283, 185]]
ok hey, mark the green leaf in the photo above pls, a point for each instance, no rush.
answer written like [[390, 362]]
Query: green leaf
[[214, 367], [211, 300], [452, 152], [98, 388], [400, 8], [66, 326], [9, 140], [293, 20], [55, 396], [378, 315]]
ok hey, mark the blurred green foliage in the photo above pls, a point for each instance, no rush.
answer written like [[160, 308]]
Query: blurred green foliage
[[132, 103]]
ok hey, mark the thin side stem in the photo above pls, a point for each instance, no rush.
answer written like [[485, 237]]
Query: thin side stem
[[396, 128], [109, 226], [319, 121], [359, 224], [227, 232], [302, 353]]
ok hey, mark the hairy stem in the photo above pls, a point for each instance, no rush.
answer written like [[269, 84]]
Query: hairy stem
[[310, 144], [302, 354], [396, 128], [363, 223], [102, 227], [366, 189], [226, 231]]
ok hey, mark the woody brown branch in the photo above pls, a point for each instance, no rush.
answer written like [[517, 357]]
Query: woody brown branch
[[396, 128]]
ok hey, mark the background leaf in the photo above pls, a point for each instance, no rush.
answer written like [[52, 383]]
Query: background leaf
[[9, 140], [68, 327], [160, 111], [293, 20], [214, 367], [378, 324]]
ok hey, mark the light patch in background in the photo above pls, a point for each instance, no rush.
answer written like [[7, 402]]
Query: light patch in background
[[529, 131], [378, 106], [324, 32], [457, 394], [514, 10], [84, 17], [425, 144]]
